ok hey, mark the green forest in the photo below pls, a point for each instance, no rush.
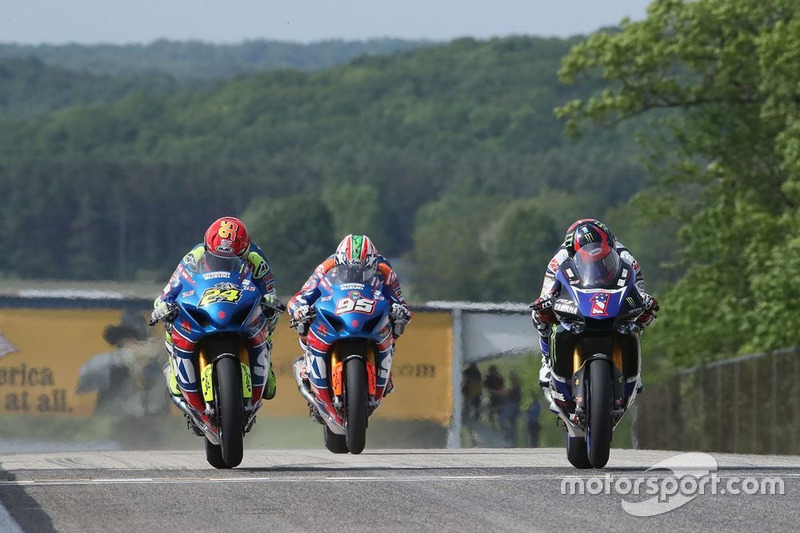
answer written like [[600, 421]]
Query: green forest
[[465, 161], [197, 60]]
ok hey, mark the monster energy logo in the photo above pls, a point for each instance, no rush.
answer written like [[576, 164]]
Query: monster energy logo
[[358, 242], [630, 301], [588, 235]]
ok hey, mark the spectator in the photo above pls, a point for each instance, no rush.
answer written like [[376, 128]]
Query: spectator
[[495, 386], [533, 422], [471, 389], [509, 411]]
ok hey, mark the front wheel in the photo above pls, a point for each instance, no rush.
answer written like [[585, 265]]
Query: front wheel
[[598, 437], [230, 410], [355, 393]]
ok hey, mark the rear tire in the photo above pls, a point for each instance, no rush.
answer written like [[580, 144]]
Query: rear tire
[[355, 397], [230, 410], [335, 443], [214, 455], [598, 439], [576, 452]]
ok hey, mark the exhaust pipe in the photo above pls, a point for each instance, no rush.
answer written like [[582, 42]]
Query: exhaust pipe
[[309, 397]]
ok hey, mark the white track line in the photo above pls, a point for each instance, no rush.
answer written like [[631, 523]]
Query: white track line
[[352, 479]]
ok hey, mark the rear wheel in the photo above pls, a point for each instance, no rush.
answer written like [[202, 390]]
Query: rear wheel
[[576, 452], [355, 398], [230, 410], [598, 439], [335, 443]]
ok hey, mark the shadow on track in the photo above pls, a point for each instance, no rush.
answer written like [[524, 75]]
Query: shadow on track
[[23, 508]]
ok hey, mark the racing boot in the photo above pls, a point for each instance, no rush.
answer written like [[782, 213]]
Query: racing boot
[[544, 383], [389, 386], [172, 382], [169, 371], [271, 387]]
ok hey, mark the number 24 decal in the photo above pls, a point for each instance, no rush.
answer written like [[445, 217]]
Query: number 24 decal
[[348, 305], [214, 295]]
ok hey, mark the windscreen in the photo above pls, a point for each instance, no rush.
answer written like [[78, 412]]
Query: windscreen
[[214, 263], [350, 274], [597, 266]]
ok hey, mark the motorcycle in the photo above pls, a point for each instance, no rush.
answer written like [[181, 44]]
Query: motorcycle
[[595, 351], [219, 333], [346, 380]]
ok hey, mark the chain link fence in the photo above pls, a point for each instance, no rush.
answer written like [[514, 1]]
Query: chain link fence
[[750, 404]]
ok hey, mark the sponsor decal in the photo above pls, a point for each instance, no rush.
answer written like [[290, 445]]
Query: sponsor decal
[[190, 261], [553, 266], [213, 275], [565, 306], [599, 304], [261, 270], [351, 286], [187, 294]]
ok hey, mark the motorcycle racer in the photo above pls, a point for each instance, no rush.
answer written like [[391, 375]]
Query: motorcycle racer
[[581, 233], [226, 237], [353, 251]]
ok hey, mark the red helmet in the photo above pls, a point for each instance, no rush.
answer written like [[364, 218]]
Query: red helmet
[[227, 237], [587, 231]]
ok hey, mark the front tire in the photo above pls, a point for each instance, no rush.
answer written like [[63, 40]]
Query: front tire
[[355, 393], [598, 438], [230, 410]]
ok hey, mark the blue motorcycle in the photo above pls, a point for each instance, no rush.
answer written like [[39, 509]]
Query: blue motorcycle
[[222, 342], [346, 377], [594, 351]]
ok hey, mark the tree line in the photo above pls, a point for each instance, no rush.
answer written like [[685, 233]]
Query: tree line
[[447, 155]]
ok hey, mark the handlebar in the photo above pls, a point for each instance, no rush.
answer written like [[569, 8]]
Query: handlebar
[[171, 308]]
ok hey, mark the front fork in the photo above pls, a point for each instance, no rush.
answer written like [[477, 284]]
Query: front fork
[[337, 377], [206, 366], [571, 393]]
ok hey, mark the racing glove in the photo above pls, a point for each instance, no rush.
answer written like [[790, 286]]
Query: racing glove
[[650, 308], [302, 318], [272, 307], [543, 315], [162, 310], [400, 315]]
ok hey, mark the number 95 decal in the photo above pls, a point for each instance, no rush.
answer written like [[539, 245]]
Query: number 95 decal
[[348, 305]]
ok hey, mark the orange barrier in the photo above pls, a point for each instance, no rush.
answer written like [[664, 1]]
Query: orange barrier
[[42, 352]]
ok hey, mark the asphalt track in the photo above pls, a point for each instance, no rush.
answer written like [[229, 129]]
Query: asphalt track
[[384, 490]]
